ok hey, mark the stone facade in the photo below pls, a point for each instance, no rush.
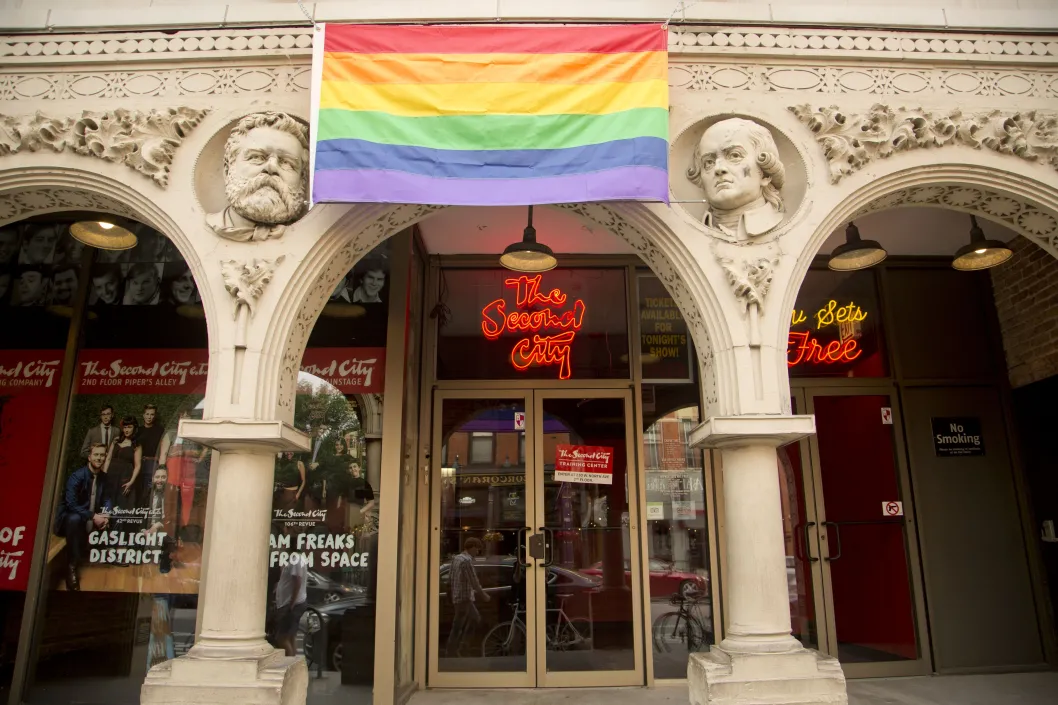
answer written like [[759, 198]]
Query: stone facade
[[135, 123], [1026, 295]]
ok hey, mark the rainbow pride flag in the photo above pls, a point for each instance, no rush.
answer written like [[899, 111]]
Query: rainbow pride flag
[[489, 115]]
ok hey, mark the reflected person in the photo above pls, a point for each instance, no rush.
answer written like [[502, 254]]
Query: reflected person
[[464, 588]]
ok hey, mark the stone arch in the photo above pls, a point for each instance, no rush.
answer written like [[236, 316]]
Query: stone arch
[[361, 228], [1017, 199], [41, 190]]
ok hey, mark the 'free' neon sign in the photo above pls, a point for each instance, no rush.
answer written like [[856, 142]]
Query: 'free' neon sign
[[535, 315]]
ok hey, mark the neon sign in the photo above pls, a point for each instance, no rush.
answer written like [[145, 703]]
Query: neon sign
[[804, 348], [535, 316]]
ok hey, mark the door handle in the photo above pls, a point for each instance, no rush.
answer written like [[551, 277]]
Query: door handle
[[837, 536], [808, 544], [522, 558], [536, 546], [549, 546]]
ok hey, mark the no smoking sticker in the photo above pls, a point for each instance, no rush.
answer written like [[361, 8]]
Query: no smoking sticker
[[893, 509]]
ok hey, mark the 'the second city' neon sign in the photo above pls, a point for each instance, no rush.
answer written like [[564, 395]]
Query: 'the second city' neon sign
[[551, 332], [804, 348]]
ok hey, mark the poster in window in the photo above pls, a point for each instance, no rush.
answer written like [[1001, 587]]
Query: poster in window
[[29, 382], [130, 515], [591, 465], [664, 342]]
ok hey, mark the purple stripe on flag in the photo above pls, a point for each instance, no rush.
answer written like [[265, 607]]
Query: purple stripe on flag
[[381, 186]]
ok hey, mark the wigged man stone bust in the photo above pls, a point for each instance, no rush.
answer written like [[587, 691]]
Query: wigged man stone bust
[[736, 163], [266, 162]]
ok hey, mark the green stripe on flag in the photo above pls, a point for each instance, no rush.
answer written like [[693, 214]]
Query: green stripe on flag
[[493, 131]]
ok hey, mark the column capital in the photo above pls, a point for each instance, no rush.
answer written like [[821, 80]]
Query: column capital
[[244, 435], [764, 429]]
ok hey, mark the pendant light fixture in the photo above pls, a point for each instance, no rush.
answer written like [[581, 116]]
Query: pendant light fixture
[[103, 234], [981, 253], [855, 253], [528, 255]]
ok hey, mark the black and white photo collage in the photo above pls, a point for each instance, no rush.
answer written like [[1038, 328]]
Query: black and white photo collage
[[40, 264]]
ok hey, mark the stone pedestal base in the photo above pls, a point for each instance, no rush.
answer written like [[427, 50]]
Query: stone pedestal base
[[797, 678], [273, 680]]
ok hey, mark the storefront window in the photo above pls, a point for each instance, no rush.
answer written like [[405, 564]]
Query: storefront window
[[323, 558], [677, 530], [836, 327], [125, 552], [40, 266], [564, 324]]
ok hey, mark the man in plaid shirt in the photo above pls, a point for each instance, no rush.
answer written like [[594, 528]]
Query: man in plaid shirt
[[463, 587]]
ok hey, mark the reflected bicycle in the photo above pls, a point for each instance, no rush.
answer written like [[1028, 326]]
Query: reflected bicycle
[[683, 627], [564, 633]]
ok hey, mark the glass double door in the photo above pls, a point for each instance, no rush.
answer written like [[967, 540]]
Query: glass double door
[[852, 557], [535, 577]]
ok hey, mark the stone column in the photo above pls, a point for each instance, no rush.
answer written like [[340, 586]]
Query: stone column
[[231, 663], [757, 599], [758, 659]]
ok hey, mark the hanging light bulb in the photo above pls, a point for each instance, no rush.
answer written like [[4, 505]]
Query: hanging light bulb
[[981, 253], [103, 234], [856, 253], [528, 255]]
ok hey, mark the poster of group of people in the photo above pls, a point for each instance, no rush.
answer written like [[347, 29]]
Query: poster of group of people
[[325, 507], [40, 266], [131, 510]]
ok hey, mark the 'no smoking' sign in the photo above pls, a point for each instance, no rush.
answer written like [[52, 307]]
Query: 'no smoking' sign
[[893, 509]]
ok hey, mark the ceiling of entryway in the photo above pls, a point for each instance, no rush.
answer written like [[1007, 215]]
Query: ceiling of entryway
[[918, 232], [477, 231], [463, 230]]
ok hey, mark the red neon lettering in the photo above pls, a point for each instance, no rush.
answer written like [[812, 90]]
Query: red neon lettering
[[535, 349], [802, 348]]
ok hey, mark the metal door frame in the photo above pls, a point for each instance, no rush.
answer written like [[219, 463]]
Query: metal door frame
[[536, 674], [923, 665], [808, 535], [475, 679], [636, 676]]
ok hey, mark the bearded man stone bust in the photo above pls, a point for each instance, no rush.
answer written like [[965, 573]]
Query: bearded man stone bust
[[736, 163], [266, 162]]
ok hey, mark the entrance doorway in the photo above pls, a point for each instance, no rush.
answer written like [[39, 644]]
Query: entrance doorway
[[855, 583], [533, 540]]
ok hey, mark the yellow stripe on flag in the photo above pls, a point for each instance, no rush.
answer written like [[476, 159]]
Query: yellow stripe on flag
[[418, 100]]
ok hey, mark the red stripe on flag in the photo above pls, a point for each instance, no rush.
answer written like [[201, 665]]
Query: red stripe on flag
[[484, 39]]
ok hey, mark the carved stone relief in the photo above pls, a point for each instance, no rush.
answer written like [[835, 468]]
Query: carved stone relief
[[22, 204], [141, 140], [1041, 226], [266, 164], [850, 141], [338, 265], [736, 163], [246, 281]]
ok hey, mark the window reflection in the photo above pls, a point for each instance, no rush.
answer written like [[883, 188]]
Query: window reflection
[[679, 580]]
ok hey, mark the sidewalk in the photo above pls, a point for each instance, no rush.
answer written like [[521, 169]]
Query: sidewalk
[[1001, 689]]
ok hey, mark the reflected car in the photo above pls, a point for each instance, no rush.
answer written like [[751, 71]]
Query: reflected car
[[321, 631], [322, 589], [665, 580]]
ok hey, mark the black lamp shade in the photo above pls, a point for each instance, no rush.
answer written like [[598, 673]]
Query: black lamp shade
[[981, 253], [856, 253], [528, 255]]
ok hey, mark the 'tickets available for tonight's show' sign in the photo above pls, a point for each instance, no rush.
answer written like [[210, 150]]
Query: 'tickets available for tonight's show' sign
[[183, 371], [591, 465], [29, 382]]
